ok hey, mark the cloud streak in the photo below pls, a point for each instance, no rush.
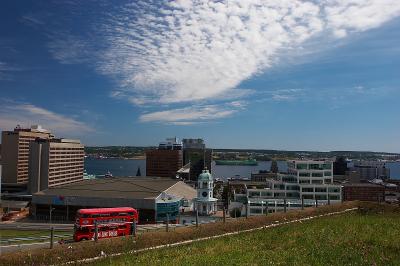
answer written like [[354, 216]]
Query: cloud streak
[[192, 115], [13, 114]]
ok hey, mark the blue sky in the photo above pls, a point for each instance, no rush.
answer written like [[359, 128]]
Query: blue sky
[[294, 75]]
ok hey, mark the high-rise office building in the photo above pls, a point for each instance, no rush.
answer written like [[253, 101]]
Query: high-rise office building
[[15, 152], [195, 153], [54, 162], [166, 160]]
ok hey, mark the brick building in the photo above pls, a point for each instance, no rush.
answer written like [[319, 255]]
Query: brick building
[[363, 192]]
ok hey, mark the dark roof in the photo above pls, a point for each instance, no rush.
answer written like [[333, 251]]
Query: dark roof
[[361, 184], [126, 187]]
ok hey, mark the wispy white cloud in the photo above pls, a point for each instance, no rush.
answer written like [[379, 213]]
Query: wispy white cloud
[[192, 115], [6, 71], [194, 50], [23, 114], [199, 51]]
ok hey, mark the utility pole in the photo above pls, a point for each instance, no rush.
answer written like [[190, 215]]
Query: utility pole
[[51, 211], [51, 237], [224, 215], [284, 205], [167, 225], [96, 232], [302, 202], [197, 217]]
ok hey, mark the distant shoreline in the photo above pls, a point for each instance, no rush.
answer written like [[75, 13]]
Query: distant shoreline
[[118, 158]]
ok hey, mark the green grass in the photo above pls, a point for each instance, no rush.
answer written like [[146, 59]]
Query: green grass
[[350, 239]]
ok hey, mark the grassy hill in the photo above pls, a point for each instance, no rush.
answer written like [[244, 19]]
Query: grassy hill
[[355, 233], [348, 239]]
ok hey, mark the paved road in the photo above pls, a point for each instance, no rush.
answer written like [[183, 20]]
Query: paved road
[[15, 248], [40, 226], [36, 226]]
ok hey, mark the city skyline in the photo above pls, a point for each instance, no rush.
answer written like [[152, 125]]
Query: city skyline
[[293, 75]]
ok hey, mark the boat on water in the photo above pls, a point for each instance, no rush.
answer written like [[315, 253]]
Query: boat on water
[[236, 162], [108, 175], [86, 176]]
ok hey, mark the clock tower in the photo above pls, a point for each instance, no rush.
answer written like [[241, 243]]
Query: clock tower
[[206, 204]]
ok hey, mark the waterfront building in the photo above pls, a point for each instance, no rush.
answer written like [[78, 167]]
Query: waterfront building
[[166, 160], [15, 152], [196, 154], [206, 204], [307, 182], [155, 198], [369, 170], [54, 162]]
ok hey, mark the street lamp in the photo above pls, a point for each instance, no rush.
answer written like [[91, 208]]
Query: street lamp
[[51, 211]]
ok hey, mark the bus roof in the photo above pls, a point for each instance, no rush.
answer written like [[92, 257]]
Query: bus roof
[[106, 210]]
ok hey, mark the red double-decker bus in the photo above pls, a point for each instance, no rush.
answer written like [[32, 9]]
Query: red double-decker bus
[[110, 222]]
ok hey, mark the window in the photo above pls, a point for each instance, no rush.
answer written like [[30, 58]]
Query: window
[[304, 181], [314, 166], [293, 188], [255, 210], [308, 196], [293, 195], [205, 185], [334, 197], [307, 189], [320, 197], [327, 173], [327, 166], [301, 166], [334, 189], [320, 189], [328, 181], [279, 186], [317, 181], [316, 174], [304, 174], [266, 194], [254, 194]]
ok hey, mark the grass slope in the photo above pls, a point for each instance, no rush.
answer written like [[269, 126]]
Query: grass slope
[[350, 239]]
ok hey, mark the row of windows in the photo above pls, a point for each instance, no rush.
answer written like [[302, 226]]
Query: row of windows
[[317, 174], [321, 197], [320, 189], [305, 166], [69, 164], [72, 167], [69, 149], [316, 181], [67, 173]]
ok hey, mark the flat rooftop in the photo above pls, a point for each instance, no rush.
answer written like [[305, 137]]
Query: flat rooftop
[[116, 187]]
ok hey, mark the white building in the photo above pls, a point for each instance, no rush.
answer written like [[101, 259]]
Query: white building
[[307, 182], [206, 204]]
